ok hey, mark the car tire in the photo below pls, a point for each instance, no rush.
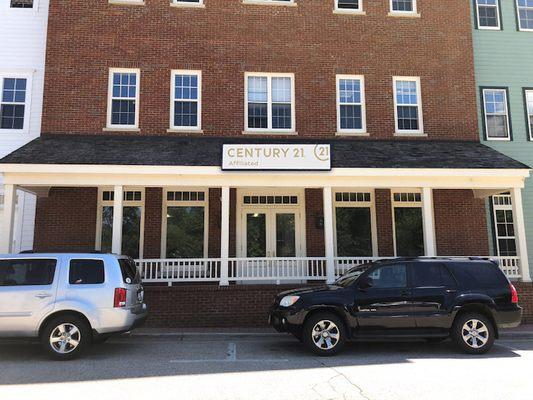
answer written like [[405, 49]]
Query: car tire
[[66, 337], [473, 333], [324, 334]]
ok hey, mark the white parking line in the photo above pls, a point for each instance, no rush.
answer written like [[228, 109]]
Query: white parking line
[[231, 357]]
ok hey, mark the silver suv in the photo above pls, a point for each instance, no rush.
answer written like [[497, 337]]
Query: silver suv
[[69, 301]]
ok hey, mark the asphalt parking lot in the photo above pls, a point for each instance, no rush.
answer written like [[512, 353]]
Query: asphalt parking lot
[[257, 366]]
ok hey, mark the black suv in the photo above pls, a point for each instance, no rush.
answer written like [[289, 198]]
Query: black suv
[[467, 299]]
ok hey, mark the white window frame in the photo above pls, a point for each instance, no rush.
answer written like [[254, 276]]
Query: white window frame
[[125, 203], [196, 203], [290, 3], [398, 13], [187, 4], [409, 132], [127, 2], [361, 131], [338, 10], [269, 129], [490, 28], [487, 137], [405, 204], [518, 17], [198, 127], [502, 207], [357, 204], [529, 116], [109, 125], [28, 100]]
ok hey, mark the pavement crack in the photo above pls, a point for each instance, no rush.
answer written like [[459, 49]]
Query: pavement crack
[[338, 374]]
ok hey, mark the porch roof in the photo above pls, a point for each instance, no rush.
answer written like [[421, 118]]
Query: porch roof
[[71, 149]]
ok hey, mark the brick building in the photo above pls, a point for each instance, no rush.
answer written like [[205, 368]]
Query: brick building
[[232, 146]]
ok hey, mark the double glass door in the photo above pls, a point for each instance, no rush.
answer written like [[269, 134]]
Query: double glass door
[[271, 232]]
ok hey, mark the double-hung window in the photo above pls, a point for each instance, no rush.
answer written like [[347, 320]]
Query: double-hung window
[[496, 114], [403, 6], [351, 104], [186, 108], [269, 103], [525, 14], [123, 101], [528, 94], [407, 105], [13, 103], [502, 207], [349, 5], [488, 14]]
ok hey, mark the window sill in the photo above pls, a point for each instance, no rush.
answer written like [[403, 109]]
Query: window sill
[[489, 139], [117, 129], [352, 133], [187, 5], [404, 14], [127, 3], [410, 134], [269, 3], [175, 130], [349, 12], [269, 133]]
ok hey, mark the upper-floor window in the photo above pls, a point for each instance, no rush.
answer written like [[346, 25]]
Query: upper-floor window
[[186, 100], [407, 105], [13, 103], [529, 108], [349, 5], [403, 6], [496, 114], [21, 3], [351, 104], [488, 14], [525, 14], [269, 103], [123, 101]]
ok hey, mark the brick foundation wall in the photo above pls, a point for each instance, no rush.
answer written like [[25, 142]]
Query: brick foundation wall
[[460, 223], [66, 220], [525, 299]]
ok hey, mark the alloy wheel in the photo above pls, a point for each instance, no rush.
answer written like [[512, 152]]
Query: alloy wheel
[[475, 333], [325, 335], [65, 338]]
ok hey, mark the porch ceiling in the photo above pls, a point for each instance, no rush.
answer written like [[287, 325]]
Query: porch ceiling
[[207, 152]]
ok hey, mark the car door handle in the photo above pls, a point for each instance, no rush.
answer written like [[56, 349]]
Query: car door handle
[[43, 295]]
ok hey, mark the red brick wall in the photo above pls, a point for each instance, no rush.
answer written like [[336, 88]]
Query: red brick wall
[[460, 223], [153, 208], [66, 220], [86, 38], [384, 222], [525, 300], [314, 209]]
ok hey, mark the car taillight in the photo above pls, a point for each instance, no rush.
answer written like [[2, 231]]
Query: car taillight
[[120, 298], [514, 294]]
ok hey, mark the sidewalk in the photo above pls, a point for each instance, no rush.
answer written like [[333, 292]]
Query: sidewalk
[[522, 332]]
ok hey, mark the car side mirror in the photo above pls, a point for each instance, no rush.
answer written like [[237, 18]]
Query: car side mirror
[[365, 283]]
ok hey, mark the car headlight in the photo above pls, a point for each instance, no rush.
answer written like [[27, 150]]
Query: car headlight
[[288, 301]]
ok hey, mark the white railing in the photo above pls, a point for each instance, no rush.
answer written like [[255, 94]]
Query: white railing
[[277, 269], [268, 270]]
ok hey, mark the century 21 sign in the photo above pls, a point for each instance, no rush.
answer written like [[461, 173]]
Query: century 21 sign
[[287, 157]]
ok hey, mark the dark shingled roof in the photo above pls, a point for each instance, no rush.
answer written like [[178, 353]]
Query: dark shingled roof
[[207, 151]]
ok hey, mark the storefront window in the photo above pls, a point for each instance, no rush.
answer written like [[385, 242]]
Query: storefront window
[[185, 232], [409, 231], [354, 233]]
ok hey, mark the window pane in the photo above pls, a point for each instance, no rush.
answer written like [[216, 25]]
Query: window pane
[[131, 231], [281, 90], [409, 231], [354, 235], [255, 235], [186, 87], [257, 89], [351, 117], [525, 11], [257, 115], [185, 113], [21, 3], [407, 118], [389, 276], [350, 91], [123, 112], [124, 85], [129, 271], [27, 272], [185, 232], [488, 16], [285, 235], [86, 272], [431, 275], [281, 116], [497, 126], [402, 5], [107, 229], [348, 4], [12, 116]]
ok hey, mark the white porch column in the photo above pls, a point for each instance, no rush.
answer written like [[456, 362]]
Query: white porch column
[[224, 236], [10, 199], [520, 232], [430, 243], [328, 235], [116, 245]]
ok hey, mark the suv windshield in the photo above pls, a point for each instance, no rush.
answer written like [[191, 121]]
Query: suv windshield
[[352, 274], [129, 270]]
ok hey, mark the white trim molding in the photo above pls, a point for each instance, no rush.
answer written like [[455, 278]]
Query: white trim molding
[[190, 98]]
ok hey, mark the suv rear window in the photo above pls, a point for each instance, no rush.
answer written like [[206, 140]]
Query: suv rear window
[[130, 273], [27, 272], [432, 275], [479, 275], [86, 272]]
